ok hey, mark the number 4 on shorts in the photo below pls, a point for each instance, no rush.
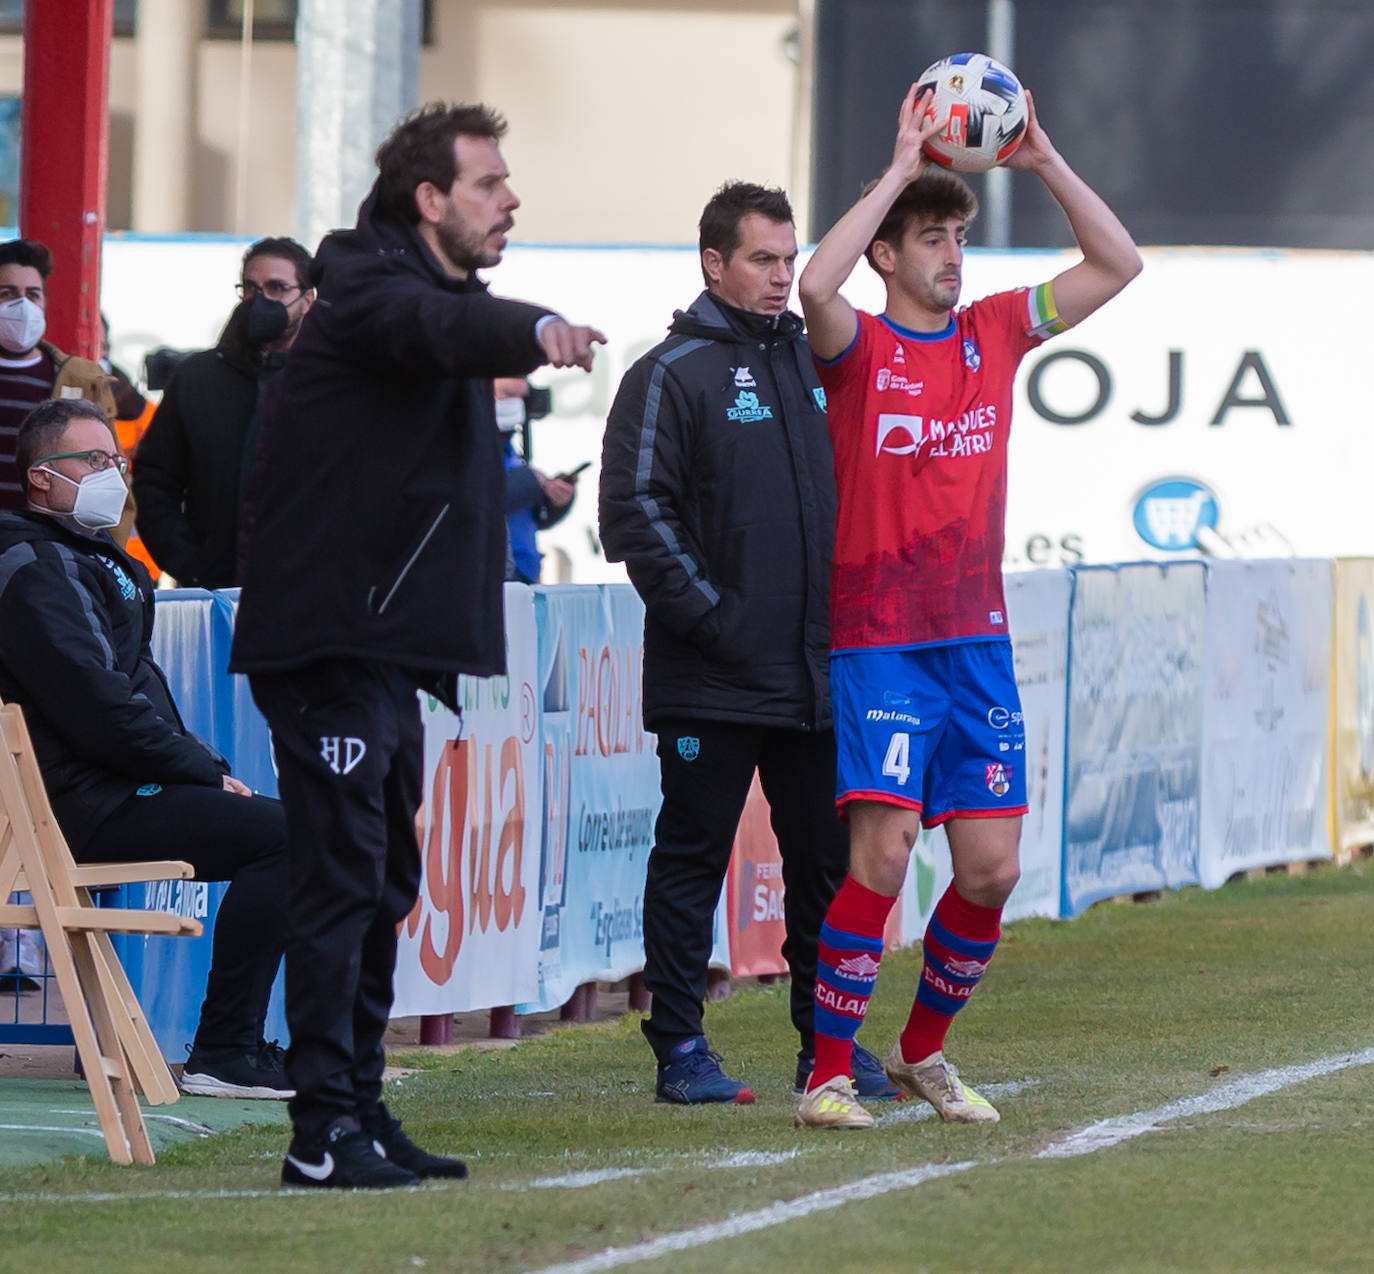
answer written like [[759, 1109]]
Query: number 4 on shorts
[[897, 762]]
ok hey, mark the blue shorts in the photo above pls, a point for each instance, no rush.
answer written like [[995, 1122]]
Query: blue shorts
[[936, 729]]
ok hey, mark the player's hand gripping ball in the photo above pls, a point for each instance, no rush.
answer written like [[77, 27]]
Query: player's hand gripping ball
[[983, 107]]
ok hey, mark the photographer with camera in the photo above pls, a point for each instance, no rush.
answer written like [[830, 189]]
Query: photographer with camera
[[534, 501], [192, 460]]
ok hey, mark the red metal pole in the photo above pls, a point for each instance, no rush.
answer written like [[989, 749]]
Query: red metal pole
[[64, 124]]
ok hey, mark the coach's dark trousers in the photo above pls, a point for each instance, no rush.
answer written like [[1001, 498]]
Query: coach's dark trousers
[[350, 756], [706, 768]]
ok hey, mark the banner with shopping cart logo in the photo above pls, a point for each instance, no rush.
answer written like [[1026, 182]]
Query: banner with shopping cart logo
[[1038, 617], [1352, 726], [601, 792], [1265, 725], [472, 939], [1134, 731]]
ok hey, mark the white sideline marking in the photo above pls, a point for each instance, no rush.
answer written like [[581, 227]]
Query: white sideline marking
[[579, 1180], [1099, 1136], [754, 1159], [1111, 1132], [762, 1219], [82, 1132]]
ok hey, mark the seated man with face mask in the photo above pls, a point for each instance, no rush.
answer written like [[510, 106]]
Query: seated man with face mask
[[32, 369], [189, 475], [125, 778]]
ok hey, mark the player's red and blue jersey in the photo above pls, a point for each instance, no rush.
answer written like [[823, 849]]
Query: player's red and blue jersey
[[919, 424]]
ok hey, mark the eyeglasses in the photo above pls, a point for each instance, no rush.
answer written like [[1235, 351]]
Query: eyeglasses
[[273, 289], [97, 460]]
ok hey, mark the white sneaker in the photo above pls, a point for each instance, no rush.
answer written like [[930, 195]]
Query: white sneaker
[[834, 1104], [938, 1082]]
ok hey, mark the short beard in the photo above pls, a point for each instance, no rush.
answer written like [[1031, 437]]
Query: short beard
[[464, 247]]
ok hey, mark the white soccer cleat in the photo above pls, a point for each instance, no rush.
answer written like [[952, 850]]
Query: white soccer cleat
[[834, 1104], [938, 1082]]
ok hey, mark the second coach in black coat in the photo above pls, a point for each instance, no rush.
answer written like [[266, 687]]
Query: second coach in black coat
[[718, 493]]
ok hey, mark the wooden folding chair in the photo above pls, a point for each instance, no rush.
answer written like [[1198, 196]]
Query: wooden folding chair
[[113, 1039]]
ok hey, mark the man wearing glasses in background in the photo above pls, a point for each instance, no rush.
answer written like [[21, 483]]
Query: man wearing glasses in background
[[188, 476], [125, 778]]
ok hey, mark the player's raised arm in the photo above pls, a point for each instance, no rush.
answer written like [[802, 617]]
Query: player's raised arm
[[1110, 259], [830, 319]]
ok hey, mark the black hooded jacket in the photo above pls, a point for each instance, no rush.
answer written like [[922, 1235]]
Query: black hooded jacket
[[376, 523], [718, 493], [76, 620], [187, 474]]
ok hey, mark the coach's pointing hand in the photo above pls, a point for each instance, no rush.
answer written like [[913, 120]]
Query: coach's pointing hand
[[565, 345]]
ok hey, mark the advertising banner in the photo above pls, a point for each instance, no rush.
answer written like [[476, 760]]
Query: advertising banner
[[1135, 731], [601, 791], [472, 940], [755, 892], [1038, 616], [1352, 705], [1266, 716]]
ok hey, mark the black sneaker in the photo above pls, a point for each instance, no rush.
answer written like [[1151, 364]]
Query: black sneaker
[[387, 1136], [256, 1072], [345, 1158], [870, 1080]]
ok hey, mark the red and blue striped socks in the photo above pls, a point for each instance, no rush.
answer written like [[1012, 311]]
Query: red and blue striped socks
[[851, 947], [958, 944]]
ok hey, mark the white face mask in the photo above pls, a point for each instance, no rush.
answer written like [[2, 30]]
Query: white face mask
[[99, 498], [22, 325]]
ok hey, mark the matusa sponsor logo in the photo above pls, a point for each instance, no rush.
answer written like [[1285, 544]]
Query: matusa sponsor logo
[[881, 714], [744, 378], [862, 966], [342, 754]]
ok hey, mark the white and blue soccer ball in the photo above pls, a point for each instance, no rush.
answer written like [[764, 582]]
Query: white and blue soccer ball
[[983, 107]]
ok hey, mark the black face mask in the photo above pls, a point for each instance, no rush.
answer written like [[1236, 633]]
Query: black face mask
[[265, 320]]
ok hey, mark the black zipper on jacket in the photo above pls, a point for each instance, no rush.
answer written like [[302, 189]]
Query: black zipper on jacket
[[405, 570]]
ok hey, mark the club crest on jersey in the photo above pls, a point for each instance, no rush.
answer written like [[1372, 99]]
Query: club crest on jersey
[[973, 360], [744, 378], [999, 778], [688, 748], [747, 409]]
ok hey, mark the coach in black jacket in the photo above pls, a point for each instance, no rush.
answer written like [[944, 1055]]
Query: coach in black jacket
[[375, 564], [125, 778], [718, 493]]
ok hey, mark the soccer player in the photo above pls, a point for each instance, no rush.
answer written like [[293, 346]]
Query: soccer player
[[927, 716]]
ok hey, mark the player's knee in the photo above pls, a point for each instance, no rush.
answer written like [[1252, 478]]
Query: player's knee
[[989, 885]]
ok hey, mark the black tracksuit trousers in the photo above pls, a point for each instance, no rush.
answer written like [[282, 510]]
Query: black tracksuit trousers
[[350, 759], [224, 836], [707, 768]]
